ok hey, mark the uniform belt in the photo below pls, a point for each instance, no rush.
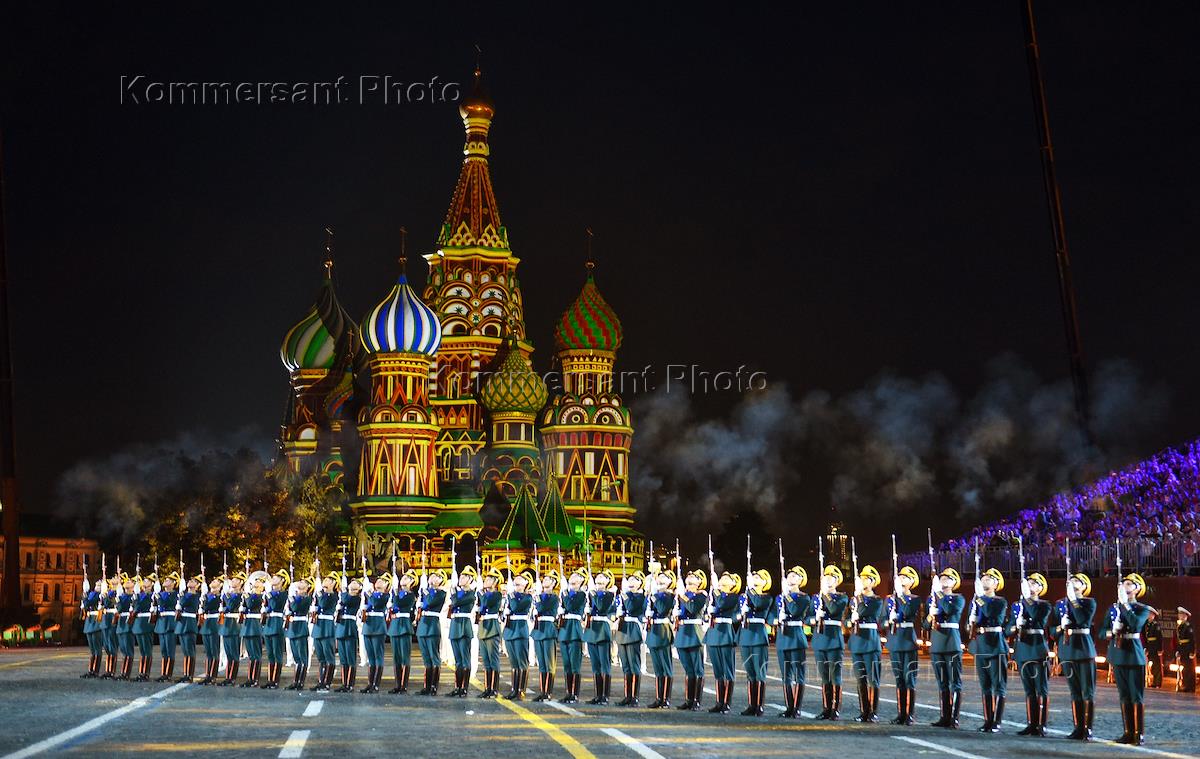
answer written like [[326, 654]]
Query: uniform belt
[[145, 613], [795, 623], [991, 629], [187, 615], [661, 621], [837, 622], [1034, 631], [1080, 630], [485, 617], [519, 617], [401, 615], [462, 614], [376, 613], [573, 616], [690, 621], [542, 618], [904, 624], [276, 614], [110, 611], [438, 614], [722, 620], [756, 620], [1131, 636], [325, 616]]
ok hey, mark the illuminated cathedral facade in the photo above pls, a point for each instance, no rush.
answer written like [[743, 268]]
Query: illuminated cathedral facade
[[428, 407]]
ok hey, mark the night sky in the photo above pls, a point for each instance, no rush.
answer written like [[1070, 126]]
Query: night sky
[[847, 190]]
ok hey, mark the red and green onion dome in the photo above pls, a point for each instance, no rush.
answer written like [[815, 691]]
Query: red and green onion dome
[[590, 323], [312, 343], [401, 323], [514, 386]]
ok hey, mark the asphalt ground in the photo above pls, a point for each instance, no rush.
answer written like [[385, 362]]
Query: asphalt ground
[[45, 709]]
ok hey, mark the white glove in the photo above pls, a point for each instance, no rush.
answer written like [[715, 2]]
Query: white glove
[[893, 616], [858, 586], [1025, 591], [820, 614], [854, 617], [1070, 590], [1065, 621], [978, 587]]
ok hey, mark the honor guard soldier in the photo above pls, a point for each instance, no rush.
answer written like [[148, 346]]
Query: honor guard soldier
[[143, 628], [827, 641], [518, 603], [490, 601], [400, 628], [324, 629], [1031, 627], [631, 636], [109, 626], [660, 633], [252, 627], [692, 604], [904, 614], [719, 640], [570, 634], [125, 610], [545, 634], [346, 633], [210, 628], [1153, 638], [1077, 651], [274, 613], [186, 627], [296, 629], [867, 613], [1126, 620], [462, 629], [164, 626], [752, 640], [231, 628], [942, 619], [793, 611], [432, 609], [374, 630], [598, 635], [1185, 652], [92, 611], [989, 646]]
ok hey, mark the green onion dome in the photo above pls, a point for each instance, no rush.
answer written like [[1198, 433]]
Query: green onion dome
[[590, 323], [312, 343], [514, 386]]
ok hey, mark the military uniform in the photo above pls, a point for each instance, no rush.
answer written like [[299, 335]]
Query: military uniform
[[185, 631], [231, 634], [752, 640], [429, 637], [108, 631], [630, 637], [124, 633], [462, 632], [945, 649], [904, 614], [374, 630], [1152, 634], [719, 642], [570, 641], [866, 653], [516, 641], [691, 608], [599, 639], [828, 646], [252, 637], [400, 632], [93, 631], [346, 635], [659, 635], [1185, 655], [489, 640], [1032, 649], [297, 633], [143, 632], [545, 639], [274, 611], [1077, 654], [164, 629], [324, 632], [792, 612], [210, 635], [990, 650], [1127, 657]]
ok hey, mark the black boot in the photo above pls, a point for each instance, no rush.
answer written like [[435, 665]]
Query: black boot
[[944, 720], [1078, 717], [457, 683], [345, 687], [689, 683], [1031, 716], [658, 691], [635, 689], [956, 709], [126, 668], [669, 682], [1043, 716], [396, 673], [302, 676], [901, 706], [997, 714], [516, 681], [425, 689], [628, 691], [1126, 723], [789, 703], [370, 680], [912, 707], [572, 690], [320, 686], [836, 712], [988, 714], [143, 671], [1139, 724], [864, 702], [1089, 711], [826, 701]]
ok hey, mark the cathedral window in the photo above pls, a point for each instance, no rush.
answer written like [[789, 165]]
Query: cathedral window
[[589, 463]]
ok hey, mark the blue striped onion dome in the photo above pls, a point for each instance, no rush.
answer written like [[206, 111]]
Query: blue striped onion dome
[[402, 323], [312, 343]]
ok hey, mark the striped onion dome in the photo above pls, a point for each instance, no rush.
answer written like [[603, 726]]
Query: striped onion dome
[[589, 324], [312, 343], [402, 323], [514, 386]]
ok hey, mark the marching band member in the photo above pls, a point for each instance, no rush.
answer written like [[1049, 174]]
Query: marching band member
[[164, 625], [989, 646], [400, 628], [462, 629], [324, 630], [231, 628], [1185, 652], [429, 630], [274, 613], [689, 615], [792, 612], [251, 618], [1032, 649], [719, 639], [599, 635], [570, 634], [518, 602], [545, 635], [346, 633], [143, 628], [660, 634], [296, 629], [1127, 618], [374, 629], [752, 640], [827, 641], [124, 632], [1077, 652], [904, 613], [185, 627], [210, 628], [631, 635], [109, 627], [866, 651], [490, 599], [942, 619]]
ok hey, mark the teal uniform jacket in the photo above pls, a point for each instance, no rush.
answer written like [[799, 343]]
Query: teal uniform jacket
[[907, 619], [725, 608], [1126, 649], [210, 605], [990, 612], [166, 617], [865, 640], [92, 622], [404, 603], [828, 637], [232, 604], [604, 608], [252, 626], [632, 618], [946, 637], [547, 606], [792, 611], [574, 607], [432, 605], [1032, 646], [298, 608], [142, 604], [489, 614], [660, 633], [1076, 646], [109, 620], [347, 616], [754, 624], [325, 625], [519, 605], [462, 602], [375, 619], [189, 604], [124, 606], [691, 607], [275, 606]]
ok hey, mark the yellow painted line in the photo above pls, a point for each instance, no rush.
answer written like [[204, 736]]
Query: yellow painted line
[[38, 659], [573, 747]]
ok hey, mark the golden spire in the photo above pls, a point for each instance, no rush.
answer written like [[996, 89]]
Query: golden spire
[[328, 253]]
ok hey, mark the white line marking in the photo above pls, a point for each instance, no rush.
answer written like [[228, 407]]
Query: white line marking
[[313, 708], [937, 747], [90, 725], [639, 748], [295, 744], [564, 708]]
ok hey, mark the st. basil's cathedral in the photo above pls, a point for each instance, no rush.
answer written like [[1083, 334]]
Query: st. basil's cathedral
[[428, 408]]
